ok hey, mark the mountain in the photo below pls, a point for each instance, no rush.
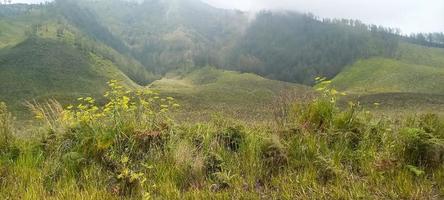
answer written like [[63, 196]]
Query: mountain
[[166, 35], [87, 42], [288, 46]]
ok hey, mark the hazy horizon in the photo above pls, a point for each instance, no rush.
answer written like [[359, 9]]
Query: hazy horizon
[[411, 16]]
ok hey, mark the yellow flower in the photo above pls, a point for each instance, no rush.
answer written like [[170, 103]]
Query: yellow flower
[[124, 159]]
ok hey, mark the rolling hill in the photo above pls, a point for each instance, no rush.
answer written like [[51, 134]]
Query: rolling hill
[[411, 80], [69, 48], [208, 90], [43, 68], [382, 75], [414, 69]]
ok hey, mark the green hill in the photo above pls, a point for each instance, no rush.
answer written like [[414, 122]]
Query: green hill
[[414, 69], [412, 80], [43, 68], [382, 75], [211, 90]]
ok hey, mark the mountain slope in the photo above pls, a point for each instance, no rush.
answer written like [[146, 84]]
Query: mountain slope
[[379, 75], [34, 70], [166, 35], [415, 69]]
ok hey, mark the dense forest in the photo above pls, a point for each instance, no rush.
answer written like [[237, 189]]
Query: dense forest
[[297, 47]]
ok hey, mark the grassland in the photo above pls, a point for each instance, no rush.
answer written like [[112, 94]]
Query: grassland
[[409, 82], [132, 149], [208, 133], [381, 75], [41, 69], [43, 59], [206, 91]]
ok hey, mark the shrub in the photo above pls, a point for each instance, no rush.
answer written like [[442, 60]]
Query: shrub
[[274, 156], [318, 115], [8, 148], [431, 123], [422, 148], [231, 138], [128, 125], [213, 164]]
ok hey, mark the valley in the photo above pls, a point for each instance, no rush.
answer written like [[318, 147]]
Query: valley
[[178, 99]]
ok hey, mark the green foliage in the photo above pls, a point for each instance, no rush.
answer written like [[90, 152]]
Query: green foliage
[[170, 35], [130, 148], [295, 47], [274, 156], [424, 144], [232, 138], [8, 148], [111, 135]]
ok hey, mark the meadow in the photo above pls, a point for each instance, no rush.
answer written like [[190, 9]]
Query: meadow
[[207, 103], [132, 147]]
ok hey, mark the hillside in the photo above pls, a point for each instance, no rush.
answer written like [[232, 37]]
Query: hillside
[[42, 68], [142, 41], [281, 45], [167, 35], [382, 75], [411, 81], [414, 69], [208, 90], [43, 55]]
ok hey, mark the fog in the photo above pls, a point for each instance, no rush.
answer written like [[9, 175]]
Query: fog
[[408, 15]]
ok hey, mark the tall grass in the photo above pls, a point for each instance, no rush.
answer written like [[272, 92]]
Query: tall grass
[[131, 148]]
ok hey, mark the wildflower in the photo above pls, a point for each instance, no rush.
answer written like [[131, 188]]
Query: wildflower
[[124, 159]]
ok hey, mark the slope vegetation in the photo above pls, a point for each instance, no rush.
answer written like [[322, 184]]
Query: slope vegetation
[[381, 75], [412, 80], [241, 94], [43, 68]]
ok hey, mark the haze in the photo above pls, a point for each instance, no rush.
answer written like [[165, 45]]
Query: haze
[[408, 15]]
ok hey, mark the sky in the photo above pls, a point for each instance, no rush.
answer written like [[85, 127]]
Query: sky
[[408, 15]]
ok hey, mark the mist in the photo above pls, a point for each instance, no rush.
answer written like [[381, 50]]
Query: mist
[[411, 16], [408, 15]]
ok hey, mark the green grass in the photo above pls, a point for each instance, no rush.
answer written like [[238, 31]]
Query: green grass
[[381, 75], [132, 150], [421, 55], [210, 90], [11, 33], [38, 63], [410, 82], [41, 69]]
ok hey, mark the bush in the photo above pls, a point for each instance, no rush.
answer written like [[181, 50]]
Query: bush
[[231, 138], [127, 126], [431, 123], [8, 148], [422, 148], [319, 115], [274, 156], [213, 164]]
